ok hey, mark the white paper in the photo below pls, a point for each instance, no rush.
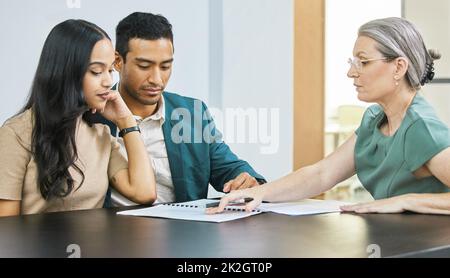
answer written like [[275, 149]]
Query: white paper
[[305, 207], [194, 211]]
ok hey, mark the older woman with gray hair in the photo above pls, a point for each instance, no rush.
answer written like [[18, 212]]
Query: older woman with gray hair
[[401, 150]]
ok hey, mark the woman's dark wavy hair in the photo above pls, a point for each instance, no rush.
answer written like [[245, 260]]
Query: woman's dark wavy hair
[[57, 101]]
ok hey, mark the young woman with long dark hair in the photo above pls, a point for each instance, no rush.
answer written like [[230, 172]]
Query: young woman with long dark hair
[[51, 157]]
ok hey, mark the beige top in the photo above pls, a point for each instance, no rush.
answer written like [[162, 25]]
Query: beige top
[[99, 158]]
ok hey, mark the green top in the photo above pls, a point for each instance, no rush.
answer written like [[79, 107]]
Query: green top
[[385, 164]]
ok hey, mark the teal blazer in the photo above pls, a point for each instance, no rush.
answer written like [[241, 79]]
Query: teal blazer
[[195, 164]]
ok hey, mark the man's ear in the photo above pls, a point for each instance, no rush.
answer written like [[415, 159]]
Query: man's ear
[[401, 66], [118, 62]]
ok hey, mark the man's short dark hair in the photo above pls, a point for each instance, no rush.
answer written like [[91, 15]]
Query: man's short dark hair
[[144, 26]]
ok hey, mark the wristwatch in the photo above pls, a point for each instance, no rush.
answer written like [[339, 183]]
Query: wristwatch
[[127, 130]]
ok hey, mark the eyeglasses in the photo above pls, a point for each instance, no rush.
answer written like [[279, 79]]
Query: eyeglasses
[[359, 64]]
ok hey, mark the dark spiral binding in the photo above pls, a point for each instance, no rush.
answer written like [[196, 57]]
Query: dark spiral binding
[[194, 206]]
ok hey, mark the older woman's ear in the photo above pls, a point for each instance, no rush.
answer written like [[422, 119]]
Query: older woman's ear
[[401, 66]]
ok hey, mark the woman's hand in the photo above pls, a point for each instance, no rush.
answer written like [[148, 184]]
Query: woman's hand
[[115, 108], [433, 203], [397, 204], [257, 193]]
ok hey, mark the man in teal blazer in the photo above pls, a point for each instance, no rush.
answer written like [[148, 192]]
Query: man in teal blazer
[[186, 149], [194, 165]]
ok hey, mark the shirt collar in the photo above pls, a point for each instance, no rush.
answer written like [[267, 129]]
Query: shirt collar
[[158, 116]]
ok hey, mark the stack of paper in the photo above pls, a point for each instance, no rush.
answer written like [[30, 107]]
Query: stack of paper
[[195, 210], [305, 207]]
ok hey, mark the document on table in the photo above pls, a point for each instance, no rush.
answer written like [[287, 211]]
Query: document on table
[[195, 210], [304, 207]]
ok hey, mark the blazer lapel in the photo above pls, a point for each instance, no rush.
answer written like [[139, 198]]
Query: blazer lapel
[[174, 153]]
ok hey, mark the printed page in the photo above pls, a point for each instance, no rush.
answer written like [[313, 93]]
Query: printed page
[[194, 210], [305, 207]]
